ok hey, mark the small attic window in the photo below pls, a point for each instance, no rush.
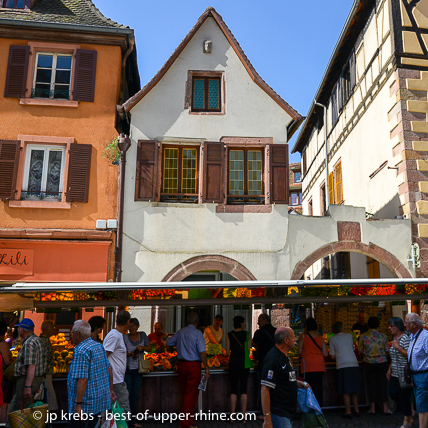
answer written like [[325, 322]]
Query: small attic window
[[205, 92], [13, 4]]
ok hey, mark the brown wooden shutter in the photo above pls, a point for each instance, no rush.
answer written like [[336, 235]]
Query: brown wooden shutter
[[78, 173], [338, 176], [304, 163], [17, 68], [9, 161], [84, 75], [213, 173], [147, 171], [279, 173], [331, 188]]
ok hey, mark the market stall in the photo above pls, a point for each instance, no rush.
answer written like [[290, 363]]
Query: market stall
[[327, 301]]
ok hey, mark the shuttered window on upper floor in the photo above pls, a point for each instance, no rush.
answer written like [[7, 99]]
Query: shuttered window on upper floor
[[43, 175], [51, 74], [335, 187], [211, 173], [343, 88]]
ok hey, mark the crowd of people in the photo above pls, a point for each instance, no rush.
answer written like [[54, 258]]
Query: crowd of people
[[104, 373]]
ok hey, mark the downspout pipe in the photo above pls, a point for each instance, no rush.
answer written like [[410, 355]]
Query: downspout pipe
[[124, 144], [326, 152]]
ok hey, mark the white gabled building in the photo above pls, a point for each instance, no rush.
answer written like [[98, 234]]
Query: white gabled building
[[209, 141]]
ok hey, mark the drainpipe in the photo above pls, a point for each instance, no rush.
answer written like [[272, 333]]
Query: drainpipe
[[326, 153], [124, 144]]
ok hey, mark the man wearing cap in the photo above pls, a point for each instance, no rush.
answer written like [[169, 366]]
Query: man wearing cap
[[30, 366]]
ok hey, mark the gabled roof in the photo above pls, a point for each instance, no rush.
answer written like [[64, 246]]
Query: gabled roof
[[211, 12], [78, 12]]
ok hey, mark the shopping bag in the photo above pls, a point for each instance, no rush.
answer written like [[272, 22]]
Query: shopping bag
[[109, 424], [32, 417], [9, 372], [248, 364], [312, 416], [314, 420], [119, 415]]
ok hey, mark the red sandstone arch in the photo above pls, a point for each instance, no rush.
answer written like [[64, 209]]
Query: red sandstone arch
[[209, 262], [381, 255]]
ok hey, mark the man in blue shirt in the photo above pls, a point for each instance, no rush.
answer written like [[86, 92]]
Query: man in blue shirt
[[191, 350], [90, 391], [417, 355]]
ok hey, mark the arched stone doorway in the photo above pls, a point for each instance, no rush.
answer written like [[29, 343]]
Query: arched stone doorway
[[209, 262], [371, 250]]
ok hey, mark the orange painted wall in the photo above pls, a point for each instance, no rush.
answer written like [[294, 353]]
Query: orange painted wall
[[89, 123], [62, 261]]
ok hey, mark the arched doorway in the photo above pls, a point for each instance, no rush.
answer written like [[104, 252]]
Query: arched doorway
[[209, 262], [373, 251]]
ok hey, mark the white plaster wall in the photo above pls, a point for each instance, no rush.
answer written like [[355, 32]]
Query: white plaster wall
[[270, 252], [369, 144], [250, 112], [307, 234]]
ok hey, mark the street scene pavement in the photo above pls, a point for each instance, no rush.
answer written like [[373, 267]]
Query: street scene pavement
[[333, 418]]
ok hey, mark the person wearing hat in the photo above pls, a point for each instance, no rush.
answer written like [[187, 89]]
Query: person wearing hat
[[30, 366]]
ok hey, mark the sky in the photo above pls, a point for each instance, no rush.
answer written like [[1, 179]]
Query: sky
[[288, 42]]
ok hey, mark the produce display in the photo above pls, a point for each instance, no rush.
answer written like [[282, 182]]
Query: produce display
[[60, 340], [72, 296], [162, 361], [218, 361], [214, 349], [151, 293], [62, 361]]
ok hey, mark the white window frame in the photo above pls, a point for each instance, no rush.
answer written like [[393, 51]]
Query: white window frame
[[52, 83], [47, 149]]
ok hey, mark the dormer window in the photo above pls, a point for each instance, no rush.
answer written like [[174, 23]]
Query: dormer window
[[14, 4]]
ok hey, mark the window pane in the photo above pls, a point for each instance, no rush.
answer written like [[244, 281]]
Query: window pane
[[20, 4], [236, 172], [9, 3], [189, 171], [297, 176], [213, 94], [294, 199], [63, 62], [43, 76], [198, 94], [54, 171], [62, 92], [44, 61], [254, 172], [36, 171], [41, 91], [62, 76], [170, 171]]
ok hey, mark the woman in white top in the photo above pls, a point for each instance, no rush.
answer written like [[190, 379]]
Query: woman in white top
[[348, 372], [398, 353]]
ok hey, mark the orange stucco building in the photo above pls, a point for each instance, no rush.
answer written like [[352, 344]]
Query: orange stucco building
[[64, 69]]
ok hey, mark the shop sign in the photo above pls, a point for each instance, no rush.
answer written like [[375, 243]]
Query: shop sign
[[15, 261]]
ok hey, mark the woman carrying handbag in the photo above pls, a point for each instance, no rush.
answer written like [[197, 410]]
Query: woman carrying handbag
[[399, 390], [312, 349]]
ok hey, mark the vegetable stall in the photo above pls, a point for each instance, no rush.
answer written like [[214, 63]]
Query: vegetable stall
[[327, 300]]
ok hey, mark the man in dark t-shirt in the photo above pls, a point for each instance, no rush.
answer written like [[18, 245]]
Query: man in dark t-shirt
[[361, 324], [263, 338], [279, 383]]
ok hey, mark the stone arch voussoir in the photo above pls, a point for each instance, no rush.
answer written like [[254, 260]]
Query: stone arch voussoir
[[380, 254], [209, 262]]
